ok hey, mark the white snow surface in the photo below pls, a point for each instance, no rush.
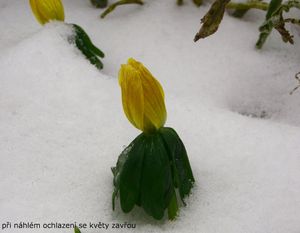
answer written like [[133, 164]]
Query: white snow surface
[[62, 126]]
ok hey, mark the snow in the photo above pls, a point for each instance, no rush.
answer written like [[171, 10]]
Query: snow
[[62, 125]]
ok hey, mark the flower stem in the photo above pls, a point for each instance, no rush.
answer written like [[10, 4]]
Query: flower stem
[[242, 8], [121, 2], [248, 5]]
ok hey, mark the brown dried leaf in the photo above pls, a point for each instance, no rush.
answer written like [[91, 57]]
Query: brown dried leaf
[[212, 19]]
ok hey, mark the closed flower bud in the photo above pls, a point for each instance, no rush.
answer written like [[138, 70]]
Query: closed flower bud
[[142, 97], [46, 10]]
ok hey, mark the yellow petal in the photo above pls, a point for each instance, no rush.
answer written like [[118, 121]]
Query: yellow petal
[[46, 10], [35, 12], [132, 95], [142, 97]]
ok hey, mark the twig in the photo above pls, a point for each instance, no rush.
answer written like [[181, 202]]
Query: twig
[[121, 2], [298, 79], [292, 21]]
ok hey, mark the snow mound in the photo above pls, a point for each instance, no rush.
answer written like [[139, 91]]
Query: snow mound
[[62, 125]]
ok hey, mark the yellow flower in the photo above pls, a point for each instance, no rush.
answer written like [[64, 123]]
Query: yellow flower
[[142, 97], [46, 10]]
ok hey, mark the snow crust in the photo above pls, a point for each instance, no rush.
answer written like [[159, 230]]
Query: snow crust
[[62, 125]]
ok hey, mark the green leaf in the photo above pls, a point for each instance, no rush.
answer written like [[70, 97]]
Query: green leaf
[[82, 35], [149, 170], [89, 54], [266, 28], [173, 207], [76, 230], [212, 19], [85, 45], [273, 6], [118, 169], [156, 185], [130, 174], [181, 166]]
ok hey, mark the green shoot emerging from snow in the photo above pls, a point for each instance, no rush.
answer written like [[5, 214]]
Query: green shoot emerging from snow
[[121, 2], [275, 19], [213, 18]]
